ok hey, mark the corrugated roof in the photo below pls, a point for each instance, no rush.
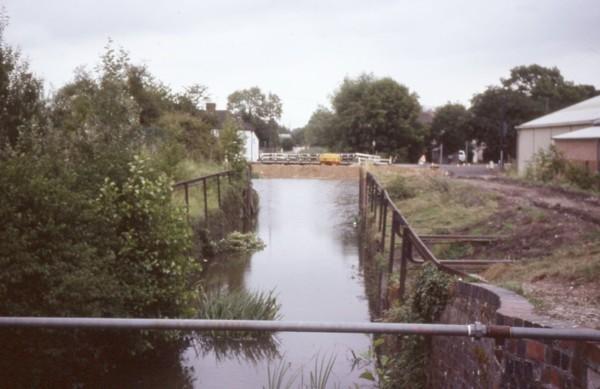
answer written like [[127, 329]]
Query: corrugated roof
[[585, 112], [584, 133]]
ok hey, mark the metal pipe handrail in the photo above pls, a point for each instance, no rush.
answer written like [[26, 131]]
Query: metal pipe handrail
[[476, 330], [199, 179]]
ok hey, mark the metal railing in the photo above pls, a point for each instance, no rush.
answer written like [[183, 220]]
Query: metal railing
[[475, 330], [185, 185], [374, 200]]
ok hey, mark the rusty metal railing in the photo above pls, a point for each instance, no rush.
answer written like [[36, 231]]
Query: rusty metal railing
[[216, 178], [376, 202], [185, 185]]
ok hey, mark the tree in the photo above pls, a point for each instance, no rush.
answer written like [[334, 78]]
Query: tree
[[320, 129], [254, 103], [378, 115], [451, 126], [298, 137], [21, 103], [547, 87], [232, 146], [495, 114], [260, 111]]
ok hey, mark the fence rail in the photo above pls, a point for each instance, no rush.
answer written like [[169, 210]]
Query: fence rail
[[475, 330], [185, 185], [375, 201]]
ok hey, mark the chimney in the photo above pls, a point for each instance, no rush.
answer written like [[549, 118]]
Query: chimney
[[211, 107]]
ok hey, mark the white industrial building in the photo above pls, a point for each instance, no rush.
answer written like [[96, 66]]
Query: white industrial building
[[537, 134]]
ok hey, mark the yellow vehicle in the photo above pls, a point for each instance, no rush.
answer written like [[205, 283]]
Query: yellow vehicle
[[330, 159]]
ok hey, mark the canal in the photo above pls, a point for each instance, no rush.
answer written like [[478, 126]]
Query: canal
[[311, 262]]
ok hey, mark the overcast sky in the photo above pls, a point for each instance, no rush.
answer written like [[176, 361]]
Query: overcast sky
[[302, 50]]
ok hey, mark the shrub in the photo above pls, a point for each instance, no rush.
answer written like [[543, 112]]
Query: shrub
[[122, 252], [547, 165], [551, 166], [406, 362], [400, 189]]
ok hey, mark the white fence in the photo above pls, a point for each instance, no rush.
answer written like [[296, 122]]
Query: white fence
[[305, 158]]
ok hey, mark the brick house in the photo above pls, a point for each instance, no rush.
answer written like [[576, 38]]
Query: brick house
[[581, 147]]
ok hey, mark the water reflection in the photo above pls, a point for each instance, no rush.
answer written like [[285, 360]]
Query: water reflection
[[245, 349], [311, 260]]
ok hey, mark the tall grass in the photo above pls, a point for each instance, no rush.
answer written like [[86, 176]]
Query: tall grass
[[239, 305], [282, 377]]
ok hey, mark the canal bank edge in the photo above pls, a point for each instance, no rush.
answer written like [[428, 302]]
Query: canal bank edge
[[507, 363], [498, 363]]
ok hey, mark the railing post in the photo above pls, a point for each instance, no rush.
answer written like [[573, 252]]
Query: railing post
[[205, 201], [381, 205], [406, 254], [219, 190], [393, 230], [384, 225], [187, 201]]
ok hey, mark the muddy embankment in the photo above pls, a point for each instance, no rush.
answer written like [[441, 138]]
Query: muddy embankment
[[305, 171]]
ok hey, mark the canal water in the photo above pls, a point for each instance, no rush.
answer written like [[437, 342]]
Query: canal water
[[311, 262]]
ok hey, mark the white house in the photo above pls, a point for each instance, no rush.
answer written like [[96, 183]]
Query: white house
[[251, 151], [251, 144]]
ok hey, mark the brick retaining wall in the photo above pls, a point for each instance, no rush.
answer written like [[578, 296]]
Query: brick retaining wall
[[459, 362]]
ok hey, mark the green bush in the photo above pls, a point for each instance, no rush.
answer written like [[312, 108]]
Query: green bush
[[547, 165], [120, 250], [400, 189], [551, 167], [406, 363]]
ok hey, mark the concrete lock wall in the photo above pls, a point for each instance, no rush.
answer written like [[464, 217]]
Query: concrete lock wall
[[459, 362]]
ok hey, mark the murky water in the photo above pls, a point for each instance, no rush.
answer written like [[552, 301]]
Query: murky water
[[312, 262]]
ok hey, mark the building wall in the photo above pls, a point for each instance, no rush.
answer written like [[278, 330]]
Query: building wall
[[251, 146], [583, 152], [530, 141], [460, 362]]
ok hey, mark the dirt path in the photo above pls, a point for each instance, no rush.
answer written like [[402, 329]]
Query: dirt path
[[577, 204], [570, 216]]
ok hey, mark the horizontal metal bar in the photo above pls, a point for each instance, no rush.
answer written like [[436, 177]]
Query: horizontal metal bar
[[459, 238], [473, 330], [199, 179], [474, 261]]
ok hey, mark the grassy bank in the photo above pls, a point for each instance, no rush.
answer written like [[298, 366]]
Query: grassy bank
[[556, 254]]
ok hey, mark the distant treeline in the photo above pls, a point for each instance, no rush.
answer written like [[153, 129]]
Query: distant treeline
[[382, 116]]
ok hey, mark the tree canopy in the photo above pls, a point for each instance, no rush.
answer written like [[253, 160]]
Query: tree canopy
[[370, 114], [451, 126], [261, 111], [530, 91]]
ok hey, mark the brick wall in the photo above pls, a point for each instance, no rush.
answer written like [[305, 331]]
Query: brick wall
[[459, 362], [583, 152]]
